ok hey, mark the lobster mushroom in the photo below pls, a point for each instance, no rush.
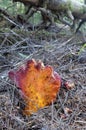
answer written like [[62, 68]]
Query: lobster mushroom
[[39, 84]]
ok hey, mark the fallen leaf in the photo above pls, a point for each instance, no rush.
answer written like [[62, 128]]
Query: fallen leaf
[[67, 111], [69, 84]]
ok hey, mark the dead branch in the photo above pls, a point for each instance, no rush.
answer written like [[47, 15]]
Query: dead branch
[[69, 8]]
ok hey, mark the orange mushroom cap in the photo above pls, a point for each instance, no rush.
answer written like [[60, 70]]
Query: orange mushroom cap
[[39, 84]]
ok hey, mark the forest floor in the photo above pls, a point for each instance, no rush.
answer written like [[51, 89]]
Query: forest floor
[[60, 48]]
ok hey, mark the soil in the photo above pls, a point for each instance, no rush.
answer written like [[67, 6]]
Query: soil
[[59, 47]]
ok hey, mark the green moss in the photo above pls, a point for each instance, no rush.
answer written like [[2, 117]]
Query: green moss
[[82, 48]]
